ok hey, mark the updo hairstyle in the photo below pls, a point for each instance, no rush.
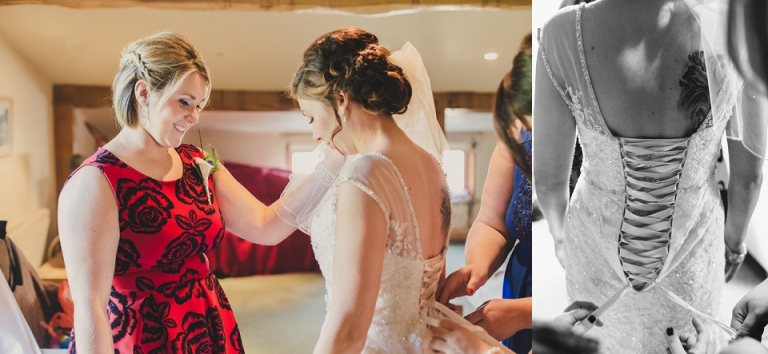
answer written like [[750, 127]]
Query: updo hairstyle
[[350, 60]]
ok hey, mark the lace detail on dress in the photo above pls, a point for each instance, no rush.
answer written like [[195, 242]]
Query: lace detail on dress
[[693, 267], [406, 299], [411, 247], [601, 122], [375, 198]]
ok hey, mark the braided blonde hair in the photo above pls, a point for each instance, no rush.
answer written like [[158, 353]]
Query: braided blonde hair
[[163, 61]]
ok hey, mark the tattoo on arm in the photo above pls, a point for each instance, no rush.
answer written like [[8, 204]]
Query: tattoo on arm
[[694, 96], [445, 209]]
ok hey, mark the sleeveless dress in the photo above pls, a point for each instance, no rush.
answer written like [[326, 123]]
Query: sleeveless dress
[[644, 226], [517, 277], [406, 300], [164, 298]]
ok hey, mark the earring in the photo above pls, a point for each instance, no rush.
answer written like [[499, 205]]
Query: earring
[[144, 118], [343, 116]]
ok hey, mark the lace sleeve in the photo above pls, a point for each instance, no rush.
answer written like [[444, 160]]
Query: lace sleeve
[[375, 175], [545, 62], [371, 193]]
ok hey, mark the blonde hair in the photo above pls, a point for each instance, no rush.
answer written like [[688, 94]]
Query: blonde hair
[[164, 60]]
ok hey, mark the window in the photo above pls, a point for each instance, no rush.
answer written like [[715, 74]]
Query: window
[[454, 165], [299, 159]]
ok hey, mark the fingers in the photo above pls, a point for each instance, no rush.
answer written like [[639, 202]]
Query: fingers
[[438, 344], [699, 326], [474, 283], [440, 334], [749, 328], [688, 340], [477, 315], [673, 342], [582, 310], [579, 315], [581, 305], [448, 324], [451, 288], [738, 314], [699, 343], [585, 325]]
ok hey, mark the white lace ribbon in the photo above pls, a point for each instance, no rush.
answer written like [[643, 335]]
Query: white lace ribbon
[[670, 295], [476, 330]]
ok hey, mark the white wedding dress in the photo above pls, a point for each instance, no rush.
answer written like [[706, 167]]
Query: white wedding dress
[[645, 221], [406, 299]]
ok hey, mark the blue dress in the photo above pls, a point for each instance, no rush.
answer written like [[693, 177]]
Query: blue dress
[[517, 278]]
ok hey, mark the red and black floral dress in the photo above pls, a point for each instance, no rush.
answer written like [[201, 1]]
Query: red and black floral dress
[[164, 298]]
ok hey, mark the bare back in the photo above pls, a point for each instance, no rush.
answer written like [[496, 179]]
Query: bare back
[[644, 64], [428, 192]]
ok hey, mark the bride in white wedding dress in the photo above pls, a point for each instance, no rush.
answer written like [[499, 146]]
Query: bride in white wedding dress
[[380, 233], [644, 233]]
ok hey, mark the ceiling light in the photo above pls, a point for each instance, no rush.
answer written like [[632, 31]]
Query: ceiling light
[[491, 56]]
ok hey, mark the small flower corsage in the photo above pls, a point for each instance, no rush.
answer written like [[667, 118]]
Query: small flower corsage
[[208, 164]]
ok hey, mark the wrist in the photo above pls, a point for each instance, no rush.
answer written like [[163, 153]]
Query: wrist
[[557, 233], [478, 270], [735, 254], [735, 244], [516, 316], [325, 176]]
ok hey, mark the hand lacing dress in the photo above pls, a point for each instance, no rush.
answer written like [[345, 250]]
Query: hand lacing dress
[[406, 300], [645, 222]]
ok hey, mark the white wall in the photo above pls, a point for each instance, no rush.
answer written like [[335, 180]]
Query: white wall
[[21, 192]]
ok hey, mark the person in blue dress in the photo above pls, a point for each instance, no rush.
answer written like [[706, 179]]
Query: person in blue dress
[[503, 225]]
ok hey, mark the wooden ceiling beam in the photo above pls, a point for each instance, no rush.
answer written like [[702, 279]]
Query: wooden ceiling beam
[[354, 6], [254, 101]]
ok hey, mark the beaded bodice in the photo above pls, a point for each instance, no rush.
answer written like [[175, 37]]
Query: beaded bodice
[[406, 299]]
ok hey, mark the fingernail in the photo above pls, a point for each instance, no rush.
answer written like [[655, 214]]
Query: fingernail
[[670, 331], [470, 291], [592, 319]]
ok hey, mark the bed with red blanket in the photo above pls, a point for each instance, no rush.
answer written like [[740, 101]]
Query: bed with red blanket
[[236, 257]]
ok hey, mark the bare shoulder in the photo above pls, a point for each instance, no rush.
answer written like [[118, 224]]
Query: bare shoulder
[[87, 190], [84, 179], [562, 20]]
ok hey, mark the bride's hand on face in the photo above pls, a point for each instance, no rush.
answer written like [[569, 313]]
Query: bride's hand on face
[[688, 343], [464, 281]]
